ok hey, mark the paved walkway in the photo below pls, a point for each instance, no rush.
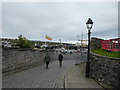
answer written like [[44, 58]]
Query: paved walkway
[[75, 78], [39, 77]]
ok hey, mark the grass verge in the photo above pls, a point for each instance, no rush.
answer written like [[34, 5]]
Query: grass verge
[[106, 53]]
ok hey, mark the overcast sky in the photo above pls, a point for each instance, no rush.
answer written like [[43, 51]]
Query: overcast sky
[[65, 20]]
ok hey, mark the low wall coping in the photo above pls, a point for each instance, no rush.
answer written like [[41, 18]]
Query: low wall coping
[[104, 56]]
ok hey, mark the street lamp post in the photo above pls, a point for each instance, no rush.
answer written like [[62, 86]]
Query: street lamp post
[[89, 25]]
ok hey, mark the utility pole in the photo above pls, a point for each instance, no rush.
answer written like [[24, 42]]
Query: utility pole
[[78, 37], [60, 41], [81, 38]]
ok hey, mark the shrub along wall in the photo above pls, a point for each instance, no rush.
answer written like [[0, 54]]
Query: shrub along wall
[[13, 59], [105, 69]]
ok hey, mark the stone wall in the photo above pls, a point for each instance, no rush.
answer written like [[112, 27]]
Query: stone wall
[[105, 69], [13, 59]]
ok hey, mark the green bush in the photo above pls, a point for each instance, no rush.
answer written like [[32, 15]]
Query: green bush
[[22, 42]]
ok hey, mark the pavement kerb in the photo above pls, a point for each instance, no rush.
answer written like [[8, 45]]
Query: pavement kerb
[[65, 80], [101, 84], [65, 83]]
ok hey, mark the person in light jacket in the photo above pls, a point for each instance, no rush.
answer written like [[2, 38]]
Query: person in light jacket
[[47, 60]]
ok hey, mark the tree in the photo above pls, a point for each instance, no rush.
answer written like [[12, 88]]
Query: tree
[[22, 42]]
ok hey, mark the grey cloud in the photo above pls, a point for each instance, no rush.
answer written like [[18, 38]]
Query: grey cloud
[[58, 20]]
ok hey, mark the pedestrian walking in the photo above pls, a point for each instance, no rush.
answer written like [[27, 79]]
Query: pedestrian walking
[[47, 60], [60, 58]]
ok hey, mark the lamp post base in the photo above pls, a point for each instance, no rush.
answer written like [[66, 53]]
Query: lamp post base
[[87, 69]]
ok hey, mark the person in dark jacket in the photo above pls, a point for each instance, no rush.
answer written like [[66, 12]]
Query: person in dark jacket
[[60, 58], [47, 60]]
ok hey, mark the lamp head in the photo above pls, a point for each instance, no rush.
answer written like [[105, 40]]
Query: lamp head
[[89, 24]]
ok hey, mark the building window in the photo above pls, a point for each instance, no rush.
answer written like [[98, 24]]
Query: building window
[[117, 46]]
